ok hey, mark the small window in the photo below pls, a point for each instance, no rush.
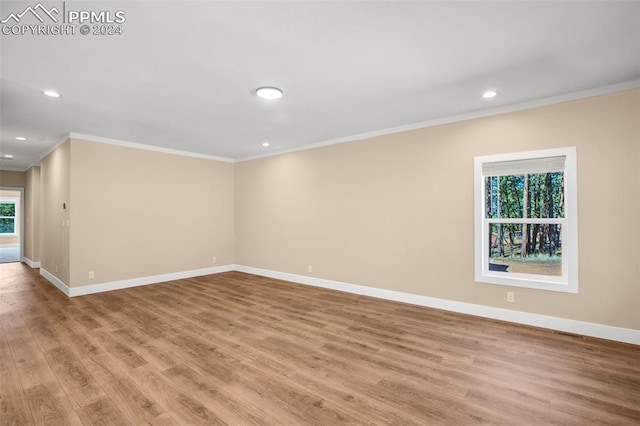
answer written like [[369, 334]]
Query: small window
[[7, 218], [526, 220]]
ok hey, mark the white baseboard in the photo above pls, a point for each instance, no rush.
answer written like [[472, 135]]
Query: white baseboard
[[153, 279], [619, 334], [55, 281], [134, 282], [31, 263]]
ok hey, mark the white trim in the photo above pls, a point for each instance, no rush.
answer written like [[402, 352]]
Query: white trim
[[153, 279], [32, 264], [135, 145], [619, 334], [605, 90], [620, 87], [16, 217], [55, 281], [12, 169], [526, 220], [54, 147], [568, 282], [20, 219]]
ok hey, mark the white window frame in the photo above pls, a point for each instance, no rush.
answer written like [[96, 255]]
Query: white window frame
[[16, 222], [568, 282]]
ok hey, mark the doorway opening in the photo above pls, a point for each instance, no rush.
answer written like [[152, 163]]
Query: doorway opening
[[11, 224]]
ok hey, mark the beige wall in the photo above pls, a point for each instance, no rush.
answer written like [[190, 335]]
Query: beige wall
[[396, 212], [54, 186], [11, 178], [393, 212], [32, 214], [137, 213], [9, 240]]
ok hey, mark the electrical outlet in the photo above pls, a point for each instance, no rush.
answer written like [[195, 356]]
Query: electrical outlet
[[92, 275], [214, 259], [309, 268], [511, 297]]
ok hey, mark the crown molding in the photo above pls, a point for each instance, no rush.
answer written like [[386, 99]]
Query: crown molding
[[54, 147], [135, 145], [605, 90], [13, 169]]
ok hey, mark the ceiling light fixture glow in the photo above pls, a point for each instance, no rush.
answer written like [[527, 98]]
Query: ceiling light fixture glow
[[489, 94], [266, 144], [8, 156], [269, 92], [21, 138], [52, 93]]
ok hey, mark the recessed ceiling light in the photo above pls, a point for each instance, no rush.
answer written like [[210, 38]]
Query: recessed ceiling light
[[21, 138], [489, 94], [52, 93], [269, 92], [8, 156], [266, 144]]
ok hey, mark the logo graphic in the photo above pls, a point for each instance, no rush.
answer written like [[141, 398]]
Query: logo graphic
[[34, 11], [94, 22]]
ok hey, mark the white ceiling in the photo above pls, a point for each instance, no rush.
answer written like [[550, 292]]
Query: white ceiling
[[182, 74]]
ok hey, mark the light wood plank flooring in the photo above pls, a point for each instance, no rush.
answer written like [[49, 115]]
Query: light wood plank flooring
[[240, 349]]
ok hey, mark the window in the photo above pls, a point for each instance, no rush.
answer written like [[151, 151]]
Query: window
[[526, 220], [7, 217]]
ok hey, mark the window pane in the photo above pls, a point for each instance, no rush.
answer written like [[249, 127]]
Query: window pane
[[491, 197], [525, 248], [504, 196], [538, 195], [511, 196], [546, 195], [7, 226], [7, 209]]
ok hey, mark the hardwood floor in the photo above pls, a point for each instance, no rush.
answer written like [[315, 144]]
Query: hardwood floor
[[240, 349]]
